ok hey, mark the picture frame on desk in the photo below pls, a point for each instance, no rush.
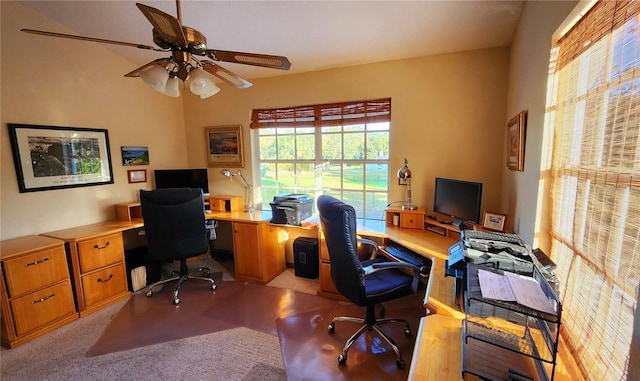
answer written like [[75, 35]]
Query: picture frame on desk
[[224, 146], [52, 157], [494, 221]]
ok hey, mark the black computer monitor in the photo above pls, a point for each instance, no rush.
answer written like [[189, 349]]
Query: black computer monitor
[[182, 178], [458, 199]]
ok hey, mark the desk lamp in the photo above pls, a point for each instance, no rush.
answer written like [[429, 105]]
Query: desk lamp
[[249, 206], [404, 173]]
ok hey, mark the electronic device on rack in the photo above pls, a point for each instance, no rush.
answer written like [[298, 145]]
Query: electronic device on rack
[[182, 178], [458, 199]]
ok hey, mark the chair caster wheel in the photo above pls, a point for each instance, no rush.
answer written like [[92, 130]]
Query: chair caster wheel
[[342, 359], [332, 328], [407, 332], [400, 363], [176, 301], [149, 294], [213, 287]]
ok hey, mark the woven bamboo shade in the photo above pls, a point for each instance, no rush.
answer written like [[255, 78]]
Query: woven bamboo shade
[[595, 191], [331, 114]]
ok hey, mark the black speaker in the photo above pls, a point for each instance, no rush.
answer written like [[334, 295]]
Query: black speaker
[[305, 257]]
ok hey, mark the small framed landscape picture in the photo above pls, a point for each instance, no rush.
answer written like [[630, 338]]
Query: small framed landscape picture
[[494, 221]]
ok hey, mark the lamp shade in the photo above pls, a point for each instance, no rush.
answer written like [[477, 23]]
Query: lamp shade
[[156, 77], [171, 88], [202, 84]]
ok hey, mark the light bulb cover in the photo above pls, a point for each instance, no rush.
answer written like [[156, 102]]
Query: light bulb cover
[[202, 84], [156, 77], [172, 87]]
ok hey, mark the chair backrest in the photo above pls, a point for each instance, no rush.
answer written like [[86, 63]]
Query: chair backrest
[[339, 228], [174, 223]]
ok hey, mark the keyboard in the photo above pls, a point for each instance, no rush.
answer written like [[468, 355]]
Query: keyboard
[[493, 236], [407, 255]]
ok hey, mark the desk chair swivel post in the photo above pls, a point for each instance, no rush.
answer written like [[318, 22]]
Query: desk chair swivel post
[[174, 224], [365, 283]]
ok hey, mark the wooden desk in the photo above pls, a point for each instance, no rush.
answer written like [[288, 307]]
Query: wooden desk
[[98, 265], [437, 354]]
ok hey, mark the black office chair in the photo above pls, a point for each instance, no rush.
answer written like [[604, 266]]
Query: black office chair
[[174, 224], [364, 283]]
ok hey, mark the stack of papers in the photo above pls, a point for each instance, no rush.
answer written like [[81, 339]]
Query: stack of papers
[[512, 287]]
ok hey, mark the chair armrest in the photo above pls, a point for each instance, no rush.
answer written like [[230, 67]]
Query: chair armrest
[[417, 271], [372, 243]]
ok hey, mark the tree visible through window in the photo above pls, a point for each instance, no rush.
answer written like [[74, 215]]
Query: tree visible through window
[[343, 156]]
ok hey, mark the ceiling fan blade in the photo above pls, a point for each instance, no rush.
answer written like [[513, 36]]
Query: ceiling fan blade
[[160, 61], [226, 75], [167, 26], [92, 39], [264, 60]]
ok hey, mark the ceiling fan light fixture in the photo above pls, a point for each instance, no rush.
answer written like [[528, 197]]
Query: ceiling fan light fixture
[[213, 91], [202, 84], [172, 88], [156, 77]]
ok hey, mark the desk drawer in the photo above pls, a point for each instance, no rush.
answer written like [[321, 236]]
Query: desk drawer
[[412, 220], [104, 284], [33, 271], [41, 307], [99, 252]]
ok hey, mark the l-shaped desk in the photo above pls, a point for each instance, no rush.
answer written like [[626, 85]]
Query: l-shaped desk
[[259, 257]]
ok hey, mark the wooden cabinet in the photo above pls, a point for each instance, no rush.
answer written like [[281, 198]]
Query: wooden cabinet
[[327, 287], [258, 250], [408, 219], [98, 266], [37, 296]]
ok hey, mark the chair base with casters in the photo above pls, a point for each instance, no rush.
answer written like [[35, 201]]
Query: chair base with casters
[[370, 323], [184, 275]]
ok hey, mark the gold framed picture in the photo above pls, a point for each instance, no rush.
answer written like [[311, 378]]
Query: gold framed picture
[[494, 221], [224, 146], [516, 129]]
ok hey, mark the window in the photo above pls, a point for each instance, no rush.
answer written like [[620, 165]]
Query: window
[[594, 118], [340, 150]]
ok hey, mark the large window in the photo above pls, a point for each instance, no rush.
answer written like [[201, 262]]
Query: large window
[[594, 118], [339, 149]]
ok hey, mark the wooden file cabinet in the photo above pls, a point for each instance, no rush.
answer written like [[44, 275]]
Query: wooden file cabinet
[[99, 270], [258, 250], [37, 296]]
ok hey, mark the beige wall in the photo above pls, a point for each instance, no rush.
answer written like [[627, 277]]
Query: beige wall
[[57, 82], [527, 91], [447, 116]]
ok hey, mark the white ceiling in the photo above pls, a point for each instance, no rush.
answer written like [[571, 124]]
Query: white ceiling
[[314, 35]]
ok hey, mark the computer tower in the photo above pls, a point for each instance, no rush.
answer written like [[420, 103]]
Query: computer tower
[[305, 257]]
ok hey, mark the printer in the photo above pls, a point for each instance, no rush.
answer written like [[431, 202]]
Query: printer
[[291, 209]]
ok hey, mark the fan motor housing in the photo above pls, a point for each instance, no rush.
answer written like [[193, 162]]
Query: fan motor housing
[[196, 41]]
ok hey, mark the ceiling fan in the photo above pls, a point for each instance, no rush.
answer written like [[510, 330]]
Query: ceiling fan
[[184, 43]]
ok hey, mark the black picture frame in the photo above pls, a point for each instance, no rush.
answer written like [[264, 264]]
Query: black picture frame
[[52, 157]]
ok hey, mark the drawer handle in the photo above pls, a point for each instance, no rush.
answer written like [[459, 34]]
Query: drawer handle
[[101, 247], [43, 299], [36, 262], [108, 279]]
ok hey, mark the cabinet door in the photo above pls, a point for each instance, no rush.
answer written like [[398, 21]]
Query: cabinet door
[[33, 271], [246, 246], [104, 284], [412, 220], [41, 307], [99, 252]]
